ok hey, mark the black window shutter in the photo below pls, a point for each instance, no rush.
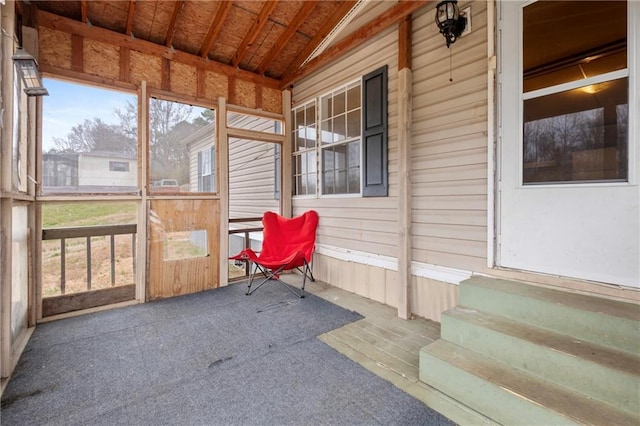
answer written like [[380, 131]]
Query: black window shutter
[[374, 133]]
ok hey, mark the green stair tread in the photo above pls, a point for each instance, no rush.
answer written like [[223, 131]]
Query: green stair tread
[[599, 354], [620, 309], [558, 399]]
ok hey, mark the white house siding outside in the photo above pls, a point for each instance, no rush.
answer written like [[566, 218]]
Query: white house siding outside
[[107, 170], [251, 170]]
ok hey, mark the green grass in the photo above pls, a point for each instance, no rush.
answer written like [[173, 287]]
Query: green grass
[[87, 214]]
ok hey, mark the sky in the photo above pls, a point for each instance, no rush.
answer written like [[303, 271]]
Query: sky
[[69, 104]]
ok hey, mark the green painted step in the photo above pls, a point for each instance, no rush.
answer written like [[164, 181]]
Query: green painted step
[[594, 371], [597, 320], [507, 395]]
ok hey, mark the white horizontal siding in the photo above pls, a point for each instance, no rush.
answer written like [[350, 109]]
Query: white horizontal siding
[[449, 151], [364, 224]]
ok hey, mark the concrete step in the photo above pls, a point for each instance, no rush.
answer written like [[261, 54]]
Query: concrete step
[[507, 395], [595, 371], [597, 320]]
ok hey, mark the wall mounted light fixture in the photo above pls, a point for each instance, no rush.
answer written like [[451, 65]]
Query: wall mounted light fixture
[[27, 67], [450, 21]]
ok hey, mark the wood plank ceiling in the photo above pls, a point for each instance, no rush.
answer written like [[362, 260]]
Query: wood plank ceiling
[[268, 38]]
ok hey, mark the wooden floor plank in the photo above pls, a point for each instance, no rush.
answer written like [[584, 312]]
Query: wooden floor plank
[[393, 363]]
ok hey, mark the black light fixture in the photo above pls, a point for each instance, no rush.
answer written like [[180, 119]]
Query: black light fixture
[[450, 21], [27, 67]]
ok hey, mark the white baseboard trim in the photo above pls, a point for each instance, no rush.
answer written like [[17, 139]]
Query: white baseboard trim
[[419, 269]]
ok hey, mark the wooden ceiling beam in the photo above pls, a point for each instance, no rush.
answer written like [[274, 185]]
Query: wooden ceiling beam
[[171, 31], [130, 15], [70, 26], [297, 20], [318, 37], [253, 32], [386, 19], [215, 28], [83, 11]]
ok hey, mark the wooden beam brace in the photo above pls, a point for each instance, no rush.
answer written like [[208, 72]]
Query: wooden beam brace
[[77, 52], [177, 7], [253, 32], [404, 43], [364, 33], [125, 73], [130, 15], [70, 26], [165, 84], [215, 27], [83, 11], [297, 20], [318, 37]]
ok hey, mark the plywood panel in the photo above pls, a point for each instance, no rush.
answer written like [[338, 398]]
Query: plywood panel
[[145, 68], [216, 85], [271, 100], [245, 93], [168, 278], [101, 59], [54, 48], [183, 79]]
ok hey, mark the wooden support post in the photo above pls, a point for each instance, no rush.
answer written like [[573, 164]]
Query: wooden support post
[[286, 205], [404, 167], [143, 208], [6, 175], [223, 189]]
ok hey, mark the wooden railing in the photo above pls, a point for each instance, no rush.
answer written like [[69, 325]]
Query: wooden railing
[[246, 234], [88, 232]]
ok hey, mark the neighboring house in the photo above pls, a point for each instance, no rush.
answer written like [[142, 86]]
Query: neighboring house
[[89, 172]]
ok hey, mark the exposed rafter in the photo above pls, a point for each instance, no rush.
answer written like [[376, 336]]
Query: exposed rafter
[[49, 20], [83, 11], [177, 7], [297, 20], [130, 15], [386, 19], [215, 28], [318, 37], [253, 32]]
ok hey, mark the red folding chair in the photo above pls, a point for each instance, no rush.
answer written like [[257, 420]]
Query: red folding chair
[[286, 244]]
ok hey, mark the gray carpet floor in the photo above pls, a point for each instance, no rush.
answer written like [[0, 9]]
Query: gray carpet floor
[[212, 358]]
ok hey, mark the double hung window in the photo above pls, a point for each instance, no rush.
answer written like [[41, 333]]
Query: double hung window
[[340, 140]]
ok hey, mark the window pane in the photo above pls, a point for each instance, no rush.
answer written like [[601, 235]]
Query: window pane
[[577, 135], [327, 132], [341, 182], [311, 115], [354, 181], [326, 108], [82, 138], [353, 98], [339, 128], [354, 154], [560, 48], [339, 103], [185, 244], [311, 184], [353, 124]]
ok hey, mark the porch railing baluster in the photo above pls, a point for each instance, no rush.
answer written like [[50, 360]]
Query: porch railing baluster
[[88, 232], [113, 260], [88, 263], [63, 251]]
